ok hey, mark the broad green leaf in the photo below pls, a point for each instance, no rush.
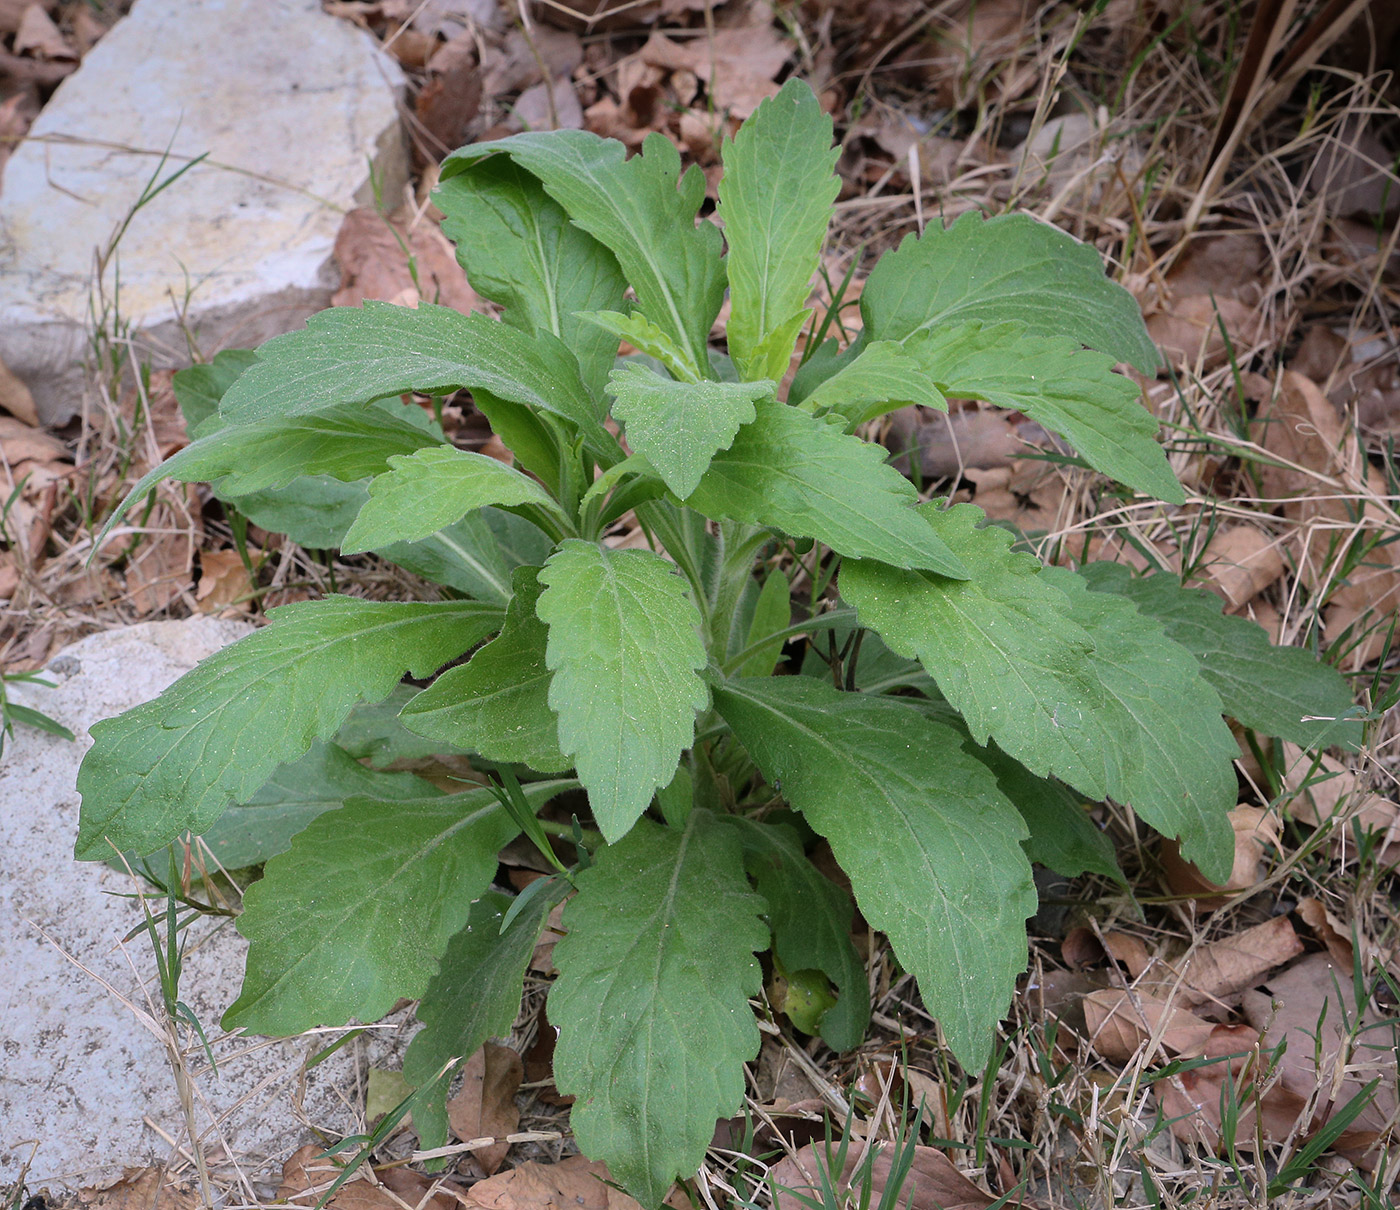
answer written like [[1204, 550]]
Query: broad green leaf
[[314, 511], [644, 336], [347, 443], [1062, 836], [641, 208], [1009, 268], [355, 915], [807, 478], [474, 997], [1070, 390], [1283, 691], [355, 355], [325, 778], [476, 555], [775, 201], [520, 251], [811, 920], [199, 388], [1004, 648], [374, 733], [932, 848], [1185, 784], [651, 1002], [679, 426], [772, 613], [221, 730], [427, 491], [882, 377], [625, 651], [497, 704]]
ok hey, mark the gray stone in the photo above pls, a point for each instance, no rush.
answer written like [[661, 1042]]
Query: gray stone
[[290, 104], [79, 1073]]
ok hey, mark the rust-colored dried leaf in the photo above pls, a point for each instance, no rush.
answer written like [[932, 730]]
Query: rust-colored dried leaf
[[15, 397], [571, 1184], [485, 1107], [373, 263], [223, 581], [1119, 1022], [1233, 964], [934, 1183], [1240, 562], [1255, 830]]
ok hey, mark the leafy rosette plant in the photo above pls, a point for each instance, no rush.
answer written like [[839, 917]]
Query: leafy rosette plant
[[958, 705]]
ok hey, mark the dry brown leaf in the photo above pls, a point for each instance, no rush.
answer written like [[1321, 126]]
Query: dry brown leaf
[[14, 394], [531, 110], [12, 12], [542, 960], [973, 50], [1240, 562], [306, 1176], [20, 442], [1255, 831], [373, 264], [9, 575], [1232, 964], [159, 571], [1353, 172], [571, 1184], [1188, 330], [1312, 1006], [1329, 930], [140, 1189], [485, 1106], [737, 65], [515, 65], [1026, 494], [1326, 791], [223, 581], [933, 1184], [1119, 1022], [1302, 427], [40, 38], [1191, 1100], [448, 102]]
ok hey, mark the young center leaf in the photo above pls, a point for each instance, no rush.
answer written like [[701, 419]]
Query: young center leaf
[[474, 996], [1005, 269], [809, 479], [497, 704], [642, 209], [358, 354], [624, 647], [932, 848], [1283, 691], [427, 491], [811, 921], [1070, 390], [644, 336], [1004, 649], [355, 915], [680, 426], [775, 201], [520, 251], [882, 376], [651, 1002], [218, 733]]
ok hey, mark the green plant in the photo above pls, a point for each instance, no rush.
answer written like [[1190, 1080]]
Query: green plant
[[948, 724]]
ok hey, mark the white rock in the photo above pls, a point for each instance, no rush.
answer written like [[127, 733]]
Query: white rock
[[290, 104], [78, 1071]]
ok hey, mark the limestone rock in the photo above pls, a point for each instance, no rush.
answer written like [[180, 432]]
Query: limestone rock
[[291, 106], [78, 1070]]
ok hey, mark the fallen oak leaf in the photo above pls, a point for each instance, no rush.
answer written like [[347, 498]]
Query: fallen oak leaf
[[485, 1105], [933, 1183], [1120, 1022], [1232, 964]]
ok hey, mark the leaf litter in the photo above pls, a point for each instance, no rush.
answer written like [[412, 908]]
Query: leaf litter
[[1300, 535]]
